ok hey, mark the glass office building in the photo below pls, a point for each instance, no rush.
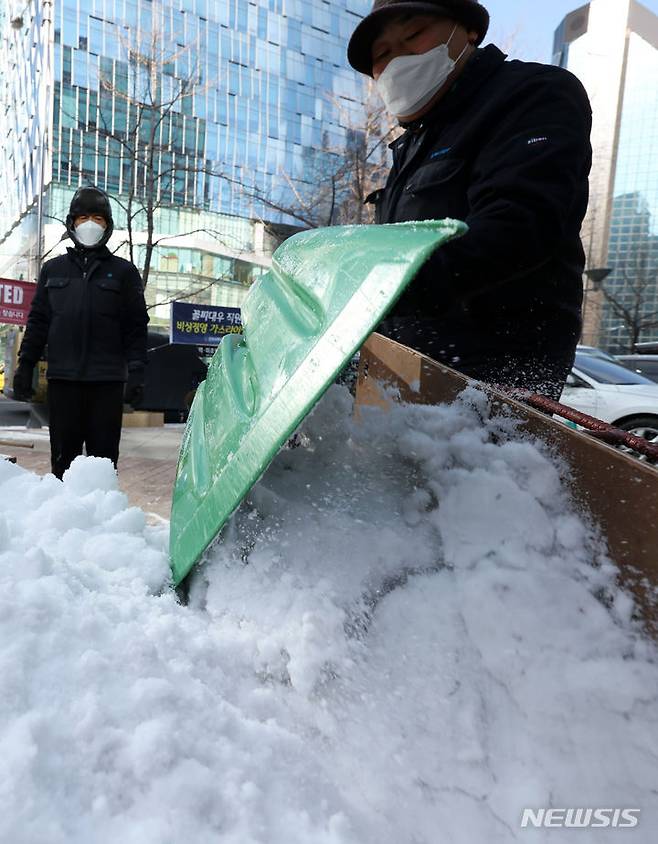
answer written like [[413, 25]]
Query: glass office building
[[219, 112], [25, 90], [612, 46]]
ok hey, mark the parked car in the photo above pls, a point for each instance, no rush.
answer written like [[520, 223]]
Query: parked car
[[646, 365], [592, 351], [615, 394], [650, 347]]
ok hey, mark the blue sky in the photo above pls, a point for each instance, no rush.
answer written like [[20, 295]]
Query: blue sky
[[532, 24]]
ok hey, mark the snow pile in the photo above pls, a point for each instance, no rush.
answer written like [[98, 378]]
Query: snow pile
[[406, 636]]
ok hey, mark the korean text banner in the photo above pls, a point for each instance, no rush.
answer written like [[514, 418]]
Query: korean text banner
[[203, 325], [15, 300]]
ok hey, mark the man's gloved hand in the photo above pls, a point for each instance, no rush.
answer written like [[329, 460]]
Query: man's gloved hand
[[23, 381], [135, 385]]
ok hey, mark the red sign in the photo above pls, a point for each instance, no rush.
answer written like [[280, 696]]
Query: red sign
[[15, 300]]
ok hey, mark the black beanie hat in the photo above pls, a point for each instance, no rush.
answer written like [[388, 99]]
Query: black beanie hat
[[87, 201], [469, 13]]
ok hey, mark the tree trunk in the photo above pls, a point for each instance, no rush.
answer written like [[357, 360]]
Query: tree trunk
[[151, 188], [129, 226]]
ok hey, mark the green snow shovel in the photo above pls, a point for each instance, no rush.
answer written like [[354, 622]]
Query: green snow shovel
[[303, 321]]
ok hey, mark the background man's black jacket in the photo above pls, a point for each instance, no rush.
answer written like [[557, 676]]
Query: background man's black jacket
[[89, 308], [507, 151]]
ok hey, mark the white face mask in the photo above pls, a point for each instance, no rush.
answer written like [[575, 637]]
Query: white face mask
[[89, 233], [409, 82]]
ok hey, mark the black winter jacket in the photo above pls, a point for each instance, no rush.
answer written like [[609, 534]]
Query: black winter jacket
[[507, 151], [89, 309]]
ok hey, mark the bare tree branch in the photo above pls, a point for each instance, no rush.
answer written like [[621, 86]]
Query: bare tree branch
[[340, 178], [149, 139], [633, 301], [182, 295]]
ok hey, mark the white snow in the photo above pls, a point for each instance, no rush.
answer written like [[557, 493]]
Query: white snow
[[400, 639]]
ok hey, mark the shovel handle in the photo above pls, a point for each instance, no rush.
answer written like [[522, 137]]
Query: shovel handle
[[597, 428]]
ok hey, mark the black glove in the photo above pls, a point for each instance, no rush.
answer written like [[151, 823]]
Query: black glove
[[134, 391], [23, 381]]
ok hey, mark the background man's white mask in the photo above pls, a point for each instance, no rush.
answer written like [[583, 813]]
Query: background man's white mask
[[89, 233]]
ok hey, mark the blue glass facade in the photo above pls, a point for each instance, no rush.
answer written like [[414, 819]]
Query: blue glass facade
[[254, 97], [612, 46], [267, 75], [633, 244], [25, 91]]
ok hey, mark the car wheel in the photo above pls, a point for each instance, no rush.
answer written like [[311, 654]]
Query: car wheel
[[640, 426]]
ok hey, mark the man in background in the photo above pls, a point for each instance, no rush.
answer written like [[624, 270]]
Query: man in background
[[89, 310]]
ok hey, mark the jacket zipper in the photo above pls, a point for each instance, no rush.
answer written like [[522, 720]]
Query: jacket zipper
[[404, 158], [87, 272]]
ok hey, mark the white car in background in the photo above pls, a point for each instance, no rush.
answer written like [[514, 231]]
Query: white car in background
[[595, 352], [646, 365], [615, 394]]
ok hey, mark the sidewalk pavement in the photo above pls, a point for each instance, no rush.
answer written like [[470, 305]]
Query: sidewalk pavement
[[147, 462]]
